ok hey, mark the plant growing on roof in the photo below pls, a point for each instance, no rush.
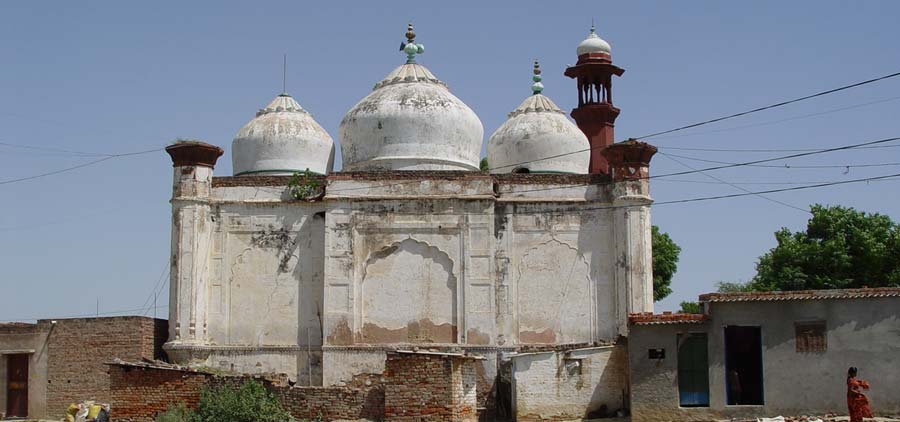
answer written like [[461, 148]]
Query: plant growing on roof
[[304, 185]]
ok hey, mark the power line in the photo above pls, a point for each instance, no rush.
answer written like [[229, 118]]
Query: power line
[[772, 122], [93, 314], [789, 166], [752, 183], [736, 186], [719, 119], [731, 165], [49, 149], [713, 198], [89, 163], [771, 106], [765, 150]]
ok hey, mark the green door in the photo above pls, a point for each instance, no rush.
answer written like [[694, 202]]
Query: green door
[[693, 370]]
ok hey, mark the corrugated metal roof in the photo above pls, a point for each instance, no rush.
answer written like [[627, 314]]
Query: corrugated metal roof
[[864, 293]]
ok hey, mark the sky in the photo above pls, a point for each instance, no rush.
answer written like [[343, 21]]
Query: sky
[[113, 77]]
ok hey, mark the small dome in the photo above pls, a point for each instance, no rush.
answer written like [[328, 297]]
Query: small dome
[[410, 121], [538, 138], [282, 139], [594, 44]]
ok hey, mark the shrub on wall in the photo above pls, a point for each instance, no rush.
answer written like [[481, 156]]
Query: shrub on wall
[[251, 402]]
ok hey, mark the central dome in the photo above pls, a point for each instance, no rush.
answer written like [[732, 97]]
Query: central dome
[[410, 121]]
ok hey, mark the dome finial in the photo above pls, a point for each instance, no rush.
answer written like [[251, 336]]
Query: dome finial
[[410, 47], [537, 86], [593, 28]]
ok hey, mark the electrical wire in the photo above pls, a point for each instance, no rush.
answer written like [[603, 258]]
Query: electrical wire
[[123, 311], [788, 119], [771, 106], [718, 119], [736, 186], [788, 166], [67, 169]]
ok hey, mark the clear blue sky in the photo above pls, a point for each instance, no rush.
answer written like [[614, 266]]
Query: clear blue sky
[[115, 76]]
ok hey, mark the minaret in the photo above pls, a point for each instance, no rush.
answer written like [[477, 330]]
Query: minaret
[[595, 114]]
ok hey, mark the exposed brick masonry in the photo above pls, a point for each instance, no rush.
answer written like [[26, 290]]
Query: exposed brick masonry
[[78, 348]]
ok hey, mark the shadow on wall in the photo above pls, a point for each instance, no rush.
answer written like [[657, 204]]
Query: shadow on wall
[[610, 394]]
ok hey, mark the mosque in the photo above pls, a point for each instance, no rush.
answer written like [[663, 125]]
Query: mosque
[[290, 267]]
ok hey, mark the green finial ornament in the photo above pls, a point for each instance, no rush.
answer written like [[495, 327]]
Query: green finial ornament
[[410, 47], [537, 86]]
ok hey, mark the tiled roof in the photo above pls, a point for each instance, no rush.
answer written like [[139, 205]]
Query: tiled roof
[[649, 318], [802, 295]]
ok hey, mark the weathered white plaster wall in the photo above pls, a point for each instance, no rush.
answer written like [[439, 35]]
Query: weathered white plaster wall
[[569, 385], [385, 260], [860, 332]]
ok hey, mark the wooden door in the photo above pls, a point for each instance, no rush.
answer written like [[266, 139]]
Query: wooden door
[[693, 370], [17, 386]]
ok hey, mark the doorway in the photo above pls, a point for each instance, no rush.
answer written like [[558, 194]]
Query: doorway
[[743, 365], [693, 370], [17, 385]]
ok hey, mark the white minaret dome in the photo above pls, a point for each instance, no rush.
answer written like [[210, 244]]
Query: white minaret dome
[[594, 44], [410, 121], [282, 139], [538, 138]]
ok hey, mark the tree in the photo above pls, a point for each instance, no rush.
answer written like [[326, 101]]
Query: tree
[[665, 262], [733, 287], [690, 307], [483, 166], [841, 248]]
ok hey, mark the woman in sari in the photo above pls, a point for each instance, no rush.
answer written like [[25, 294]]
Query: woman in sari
[[857, 402]]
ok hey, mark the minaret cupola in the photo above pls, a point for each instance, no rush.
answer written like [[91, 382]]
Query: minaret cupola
[[595, 114]]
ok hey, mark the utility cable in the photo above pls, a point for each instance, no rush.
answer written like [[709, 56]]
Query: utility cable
[[718, 119], [736, 186], [89, 163], [771, 106]]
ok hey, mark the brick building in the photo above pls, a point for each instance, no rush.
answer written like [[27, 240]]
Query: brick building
[[47, 365]]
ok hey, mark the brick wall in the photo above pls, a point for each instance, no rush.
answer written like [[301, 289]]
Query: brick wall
[[140, 393], [77, 350], [431, 387]]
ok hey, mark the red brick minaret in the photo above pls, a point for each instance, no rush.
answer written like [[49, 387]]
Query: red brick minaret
[[595, 114]]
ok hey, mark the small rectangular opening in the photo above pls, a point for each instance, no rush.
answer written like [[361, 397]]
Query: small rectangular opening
[[693, 370], [743, 365], [810, 337]]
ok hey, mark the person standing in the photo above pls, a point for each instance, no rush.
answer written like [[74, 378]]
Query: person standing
[[857, 402]]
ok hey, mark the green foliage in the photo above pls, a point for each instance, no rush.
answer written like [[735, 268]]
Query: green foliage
[[484, 164], [177, 413], [690, 308], [249, 403], [665, 262], [841, 248], [733, 287], [304, 185]]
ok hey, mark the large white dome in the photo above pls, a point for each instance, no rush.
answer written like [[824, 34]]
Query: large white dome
[[410, 121], [538, 138], [282, 139]]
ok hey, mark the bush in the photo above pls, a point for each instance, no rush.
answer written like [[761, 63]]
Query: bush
[[251, 402], [178, 413]]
